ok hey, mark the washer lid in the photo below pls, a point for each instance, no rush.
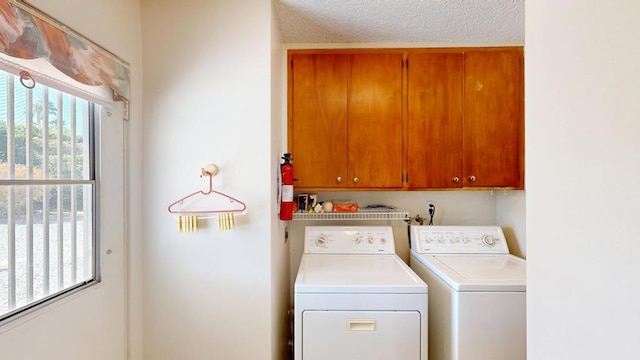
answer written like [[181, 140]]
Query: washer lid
[[371, 274], [463, 272]]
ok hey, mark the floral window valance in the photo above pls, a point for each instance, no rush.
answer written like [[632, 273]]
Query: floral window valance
[[26, 33]]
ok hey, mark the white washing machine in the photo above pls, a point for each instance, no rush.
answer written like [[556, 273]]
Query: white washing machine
[[354, 298], [477, 292]]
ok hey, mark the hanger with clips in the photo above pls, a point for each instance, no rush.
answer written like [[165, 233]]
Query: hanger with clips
[[223, 206]]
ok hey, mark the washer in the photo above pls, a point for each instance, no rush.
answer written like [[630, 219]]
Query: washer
[[477, 292], [354, 298]]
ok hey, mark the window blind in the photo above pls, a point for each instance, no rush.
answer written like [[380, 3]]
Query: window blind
[[59, 57]]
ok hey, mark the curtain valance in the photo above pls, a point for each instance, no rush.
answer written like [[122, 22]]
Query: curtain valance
[[26, 33]]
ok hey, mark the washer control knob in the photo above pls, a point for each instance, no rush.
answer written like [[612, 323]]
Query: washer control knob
[[383, 241], [370, 240], [321, 240], [358, 239], [488, 240]]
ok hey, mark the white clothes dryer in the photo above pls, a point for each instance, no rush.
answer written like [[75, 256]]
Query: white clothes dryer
[[477, 292], [354, 298]]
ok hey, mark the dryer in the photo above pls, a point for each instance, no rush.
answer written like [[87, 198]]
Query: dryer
[[354, 298], [477, 292]]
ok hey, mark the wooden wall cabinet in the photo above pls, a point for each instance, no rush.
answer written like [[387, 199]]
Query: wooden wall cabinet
[[450, 118], [318, 119], [493, 119], [435, 107], [345, 129], [465, 120]]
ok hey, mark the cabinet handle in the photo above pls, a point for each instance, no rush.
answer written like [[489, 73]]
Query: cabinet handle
[[355, 180], [339, 179], [455, 179], [472, 178]]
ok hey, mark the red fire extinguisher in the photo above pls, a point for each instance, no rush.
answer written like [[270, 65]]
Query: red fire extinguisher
[[286, 174]]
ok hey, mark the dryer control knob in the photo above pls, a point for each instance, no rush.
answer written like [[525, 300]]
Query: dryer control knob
[[321, 240]]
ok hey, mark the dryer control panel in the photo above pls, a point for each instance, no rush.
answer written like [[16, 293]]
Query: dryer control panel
[[458, 240], [349, 240]]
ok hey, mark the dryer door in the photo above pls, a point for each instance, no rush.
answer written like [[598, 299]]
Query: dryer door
[[371, 335]]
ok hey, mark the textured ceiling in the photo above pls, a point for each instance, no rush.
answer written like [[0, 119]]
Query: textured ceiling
[[382, 21]]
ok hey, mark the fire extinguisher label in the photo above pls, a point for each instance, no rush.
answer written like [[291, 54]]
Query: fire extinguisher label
[[287, 193]]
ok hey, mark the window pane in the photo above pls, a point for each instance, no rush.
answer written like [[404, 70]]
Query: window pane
[[44, 133], [46, 241]]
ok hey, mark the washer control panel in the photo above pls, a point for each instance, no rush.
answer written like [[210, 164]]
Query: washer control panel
[[458, 240], [349, 240]]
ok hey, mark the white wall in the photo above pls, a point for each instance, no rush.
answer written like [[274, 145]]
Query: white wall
[[511, 215], [207, 99], [93, 323], [279, 248], [582, 127]]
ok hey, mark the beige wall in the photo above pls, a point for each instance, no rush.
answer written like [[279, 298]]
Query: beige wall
[[583, 153], [279, 248], [207, 99], [93, 323]]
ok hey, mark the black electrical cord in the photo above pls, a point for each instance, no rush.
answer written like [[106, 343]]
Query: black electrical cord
[[408, 220], [419, 219], [432, 213]]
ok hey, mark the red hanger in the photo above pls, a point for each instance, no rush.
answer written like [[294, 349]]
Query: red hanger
[[223, 200]]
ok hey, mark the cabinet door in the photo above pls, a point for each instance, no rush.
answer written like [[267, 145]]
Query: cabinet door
[[375, 121], [493, 119], [318, 131], [434, 136]]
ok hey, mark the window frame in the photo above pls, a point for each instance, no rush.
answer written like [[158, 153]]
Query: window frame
[[94, 115]]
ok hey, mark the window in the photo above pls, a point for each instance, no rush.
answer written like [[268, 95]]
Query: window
[[47, 195]]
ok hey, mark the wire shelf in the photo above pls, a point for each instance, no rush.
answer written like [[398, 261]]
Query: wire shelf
[[363, 214]]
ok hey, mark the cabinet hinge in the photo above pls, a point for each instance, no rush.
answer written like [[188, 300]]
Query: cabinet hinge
[[405, 63], [406, 177]]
